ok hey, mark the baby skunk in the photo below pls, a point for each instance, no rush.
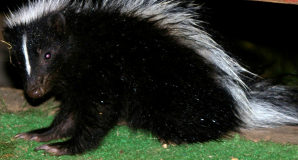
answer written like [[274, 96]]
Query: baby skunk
[[147, 61]]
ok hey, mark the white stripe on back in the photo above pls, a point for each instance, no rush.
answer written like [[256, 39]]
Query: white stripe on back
[[25, 52]]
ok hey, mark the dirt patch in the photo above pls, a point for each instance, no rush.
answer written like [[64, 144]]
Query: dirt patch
[[282, 134], [14, 101]]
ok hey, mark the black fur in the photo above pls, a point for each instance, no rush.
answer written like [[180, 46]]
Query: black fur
[[105, 66]]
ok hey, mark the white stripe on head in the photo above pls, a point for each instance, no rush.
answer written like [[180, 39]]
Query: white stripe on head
[[25, 52]]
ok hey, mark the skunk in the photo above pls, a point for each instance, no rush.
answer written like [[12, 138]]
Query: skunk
[[149, 62]]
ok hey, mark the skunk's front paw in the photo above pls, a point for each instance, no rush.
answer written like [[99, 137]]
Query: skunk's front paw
[[29, 137], [54, 149], [37, 137], [69, 147]]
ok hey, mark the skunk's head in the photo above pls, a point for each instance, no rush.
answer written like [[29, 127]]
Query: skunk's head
[[38, 51]]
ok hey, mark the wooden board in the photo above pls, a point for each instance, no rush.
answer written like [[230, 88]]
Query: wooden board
[[280, 1]]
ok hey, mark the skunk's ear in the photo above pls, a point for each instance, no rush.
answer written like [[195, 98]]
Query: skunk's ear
[[57, 23]]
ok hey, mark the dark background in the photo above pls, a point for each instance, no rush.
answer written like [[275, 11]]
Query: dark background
[[263, 36]]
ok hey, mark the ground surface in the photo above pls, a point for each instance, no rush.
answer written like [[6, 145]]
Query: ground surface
[[15, 101]]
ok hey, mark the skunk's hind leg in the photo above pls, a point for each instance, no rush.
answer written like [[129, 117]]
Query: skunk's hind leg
[[191, 115], [61, 127]]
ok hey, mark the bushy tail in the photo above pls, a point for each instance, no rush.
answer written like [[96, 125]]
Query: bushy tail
[[272, 105]]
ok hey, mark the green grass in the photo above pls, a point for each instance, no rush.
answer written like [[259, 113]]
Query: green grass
[[123, 143]]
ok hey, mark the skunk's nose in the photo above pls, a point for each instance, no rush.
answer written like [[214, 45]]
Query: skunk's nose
[[36, 93]]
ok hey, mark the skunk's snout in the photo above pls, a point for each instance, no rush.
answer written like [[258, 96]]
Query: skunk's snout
[[36, 93], [36, 87]]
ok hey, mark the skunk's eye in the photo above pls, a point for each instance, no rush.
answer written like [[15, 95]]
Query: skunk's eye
[[47, 55]]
